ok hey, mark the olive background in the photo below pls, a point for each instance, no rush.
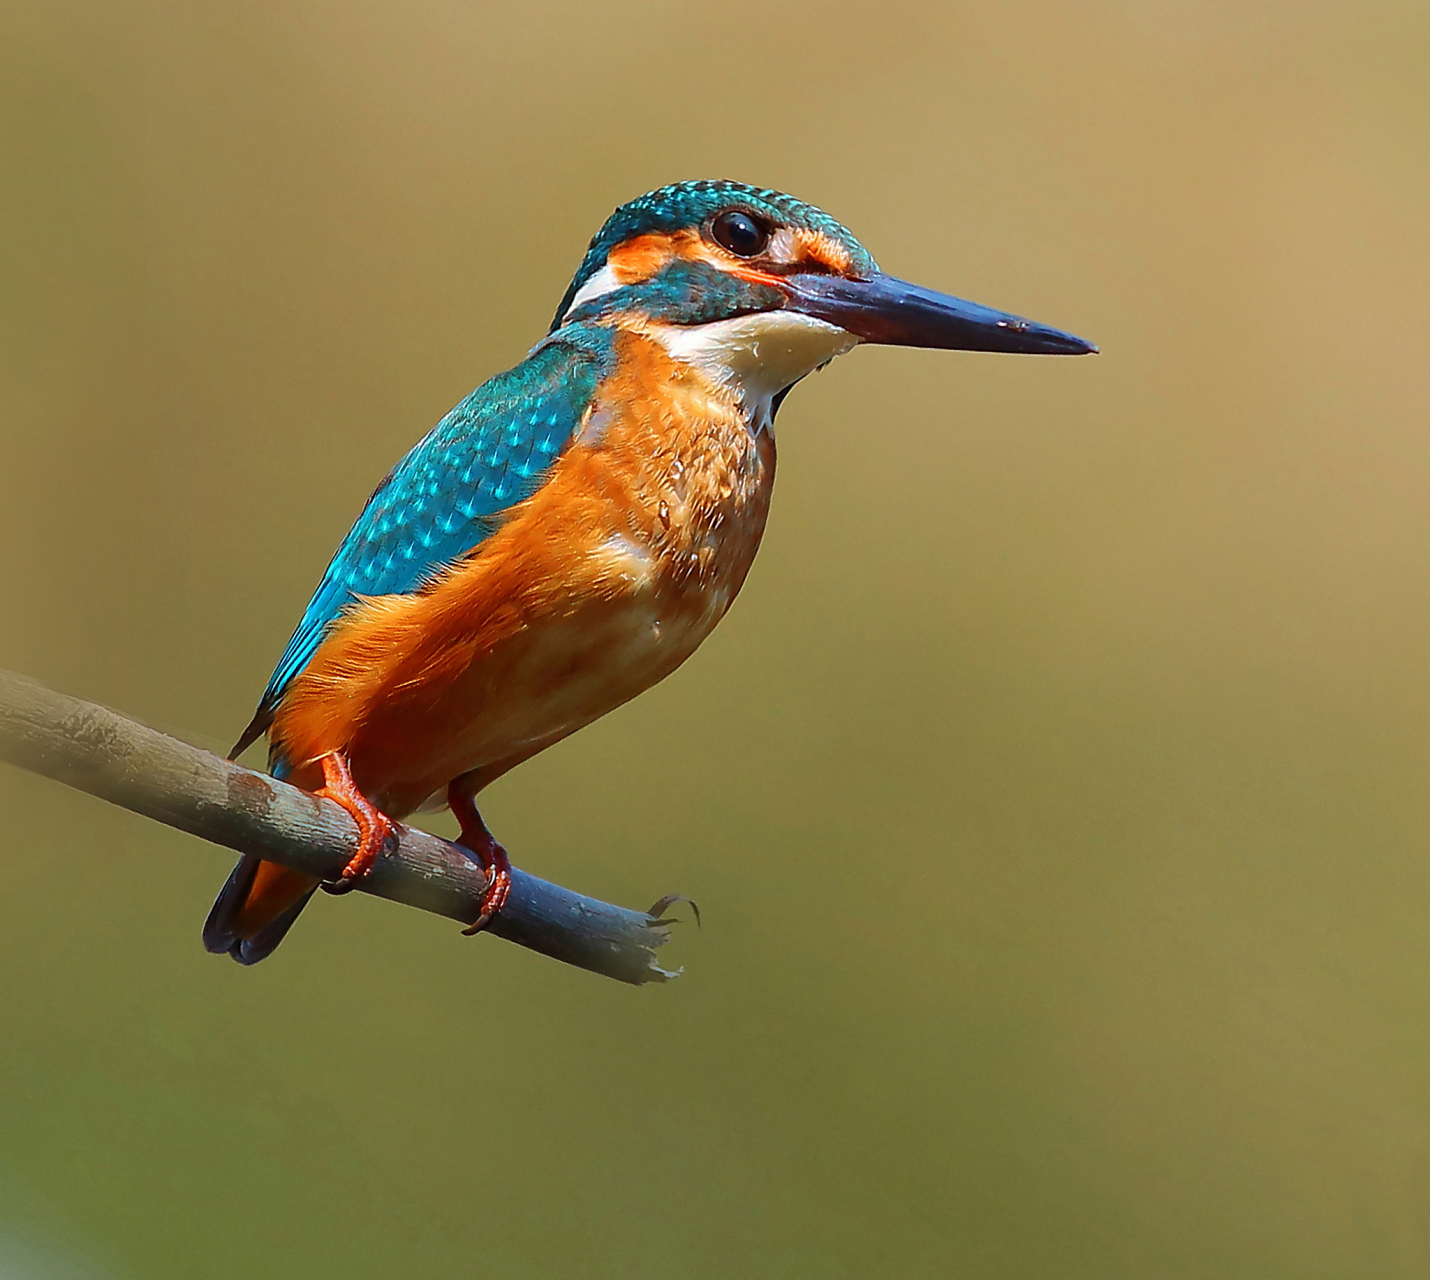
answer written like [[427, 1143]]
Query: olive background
[[1055, 793]]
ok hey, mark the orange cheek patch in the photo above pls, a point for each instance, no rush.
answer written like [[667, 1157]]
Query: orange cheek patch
[[820, 250], [642, 257]]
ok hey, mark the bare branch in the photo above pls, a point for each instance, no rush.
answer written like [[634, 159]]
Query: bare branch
[[108, 755]]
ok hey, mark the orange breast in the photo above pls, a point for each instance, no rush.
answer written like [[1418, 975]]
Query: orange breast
[[597, 586]]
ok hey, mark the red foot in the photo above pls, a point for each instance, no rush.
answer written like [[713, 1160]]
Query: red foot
[[375, 828], [478, 841]]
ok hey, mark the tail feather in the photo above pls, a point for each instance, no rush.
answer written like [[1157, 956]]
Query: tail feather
[[257, 727], [255, 909]]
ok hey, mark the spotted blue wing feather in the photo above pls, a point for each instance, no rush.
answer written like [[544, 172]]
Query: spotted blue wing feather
[[449, 493]]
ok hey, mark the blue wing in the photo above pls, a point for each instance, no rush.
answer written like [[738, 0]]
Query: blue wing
[[449, 492]]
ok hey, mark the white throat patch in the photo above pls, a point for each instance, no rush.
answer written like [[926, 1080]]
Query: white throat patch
[[756, 356]]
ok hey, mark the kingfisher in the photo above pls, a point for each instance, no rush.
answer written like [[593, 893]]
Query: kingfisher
[[568, 534]]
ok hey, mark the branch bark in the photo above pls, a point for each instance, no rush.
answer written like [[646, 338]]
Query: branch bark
[[84, 745]]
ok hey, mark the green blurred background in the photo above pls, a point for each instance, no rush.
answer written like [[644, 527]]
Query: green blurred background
[[1055, 793]]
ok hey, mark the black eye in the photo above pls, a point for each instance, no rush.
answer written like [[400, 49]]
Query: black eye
[[736, 231]]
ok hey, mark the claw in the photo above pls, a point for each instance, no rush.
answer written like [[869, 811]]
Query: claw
[[375, 828], [494, 899], [489, 855]]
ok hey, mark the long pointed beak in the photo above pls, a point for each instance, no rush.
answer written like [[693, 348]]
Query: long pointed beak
[[885, 310]]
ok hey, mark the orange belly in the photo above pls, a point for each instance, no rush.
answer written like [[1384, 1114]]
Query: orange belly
[[595, 588]]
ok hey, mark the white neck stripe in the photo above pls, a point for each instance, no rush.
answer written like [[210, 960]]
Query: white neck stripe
[[603, 282]]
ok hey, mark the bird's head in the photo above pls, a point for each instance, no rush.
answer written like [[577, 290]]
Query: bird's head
[[762, 288]]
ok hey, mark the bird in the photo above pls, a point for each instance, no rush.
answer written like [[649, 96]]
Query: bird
[[569, 534]]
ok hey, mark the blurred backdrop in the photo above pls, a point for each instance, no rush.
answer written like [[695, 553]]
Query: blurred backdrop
[[1055, 793]]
